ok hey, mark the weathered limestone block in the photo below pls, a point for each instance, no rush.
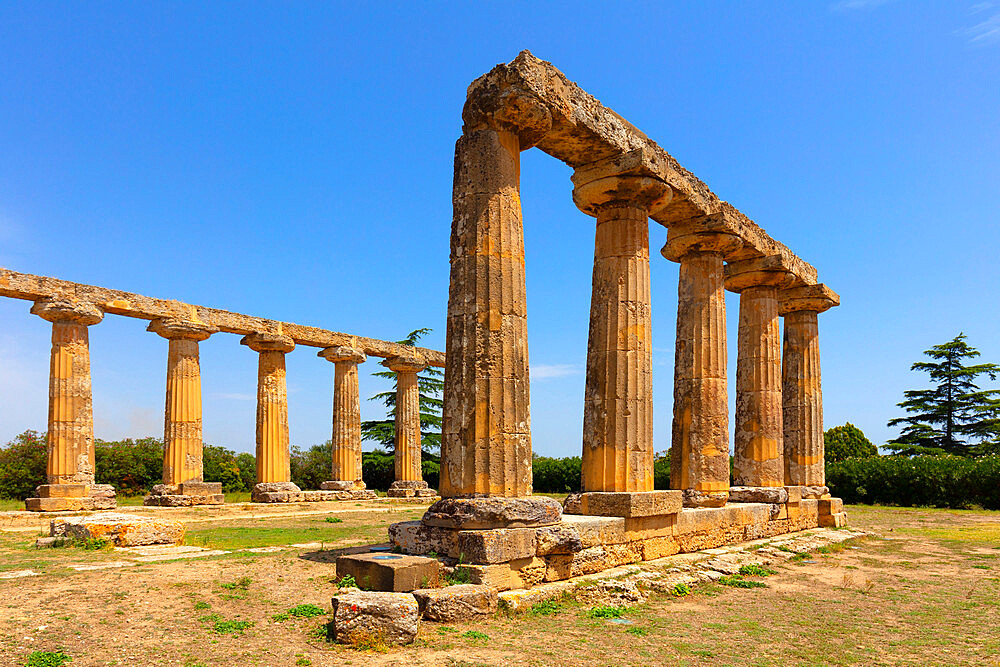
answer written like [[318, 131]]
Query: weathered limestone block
[[838, 520], [410, 488], [520, 573], [72, 498], [499, 545], [493, 512], [559, 539], [644, 527], [710, 527], [658, 547], [588, 561], [830, 506], [275, 492], [390, 572], [597, 530], [456, 603], [417, 538], [648, 503], [361, 615], [758, 494], [187, 494], [122, 530]]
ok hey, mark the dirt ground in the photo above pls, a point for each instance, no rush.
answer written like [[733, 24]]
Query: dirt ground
[[924, 590]]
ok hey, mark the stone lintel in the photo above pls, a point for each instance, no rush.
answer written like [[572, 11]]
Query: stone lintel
[[624, 504], [59, 309], [777, 495], [342, 353], [769, 271], [513, 109], [493, 512], [174, 329], [268, 342], [817, 298], [390, 572]]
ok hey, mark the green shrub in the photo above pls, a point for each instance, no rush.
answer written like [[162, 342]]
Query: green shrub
[[935, 481], [847, 441], [223, 465], [661, 471], [47, 659], [22, 465], [131, 466], [551, 475], [607, 611]]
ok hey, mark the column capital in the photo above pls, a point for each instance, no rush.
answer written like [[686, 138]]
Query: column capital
[[816, 298], [268, 342], [342, 353], [768, 271], [706, 233], [624, 179], [61, 309], [176, 329], [404, 364], [514, 110]]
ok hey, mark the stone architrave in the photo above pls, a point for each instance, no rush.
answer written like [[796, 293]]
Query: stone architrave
[[802, 392], [618, 400], [70, 470], [183, 471], [345, 468], [699, 451], [409, 480], [273, 471], [758, 451]]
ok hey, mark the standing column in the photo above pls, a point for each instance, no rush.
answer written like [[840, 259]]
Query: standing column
[[70, 471], [699, 451], [273, 471], [183, 471], [758, 455], [345, 470], [409, 477], [802, 392], [618, 400]]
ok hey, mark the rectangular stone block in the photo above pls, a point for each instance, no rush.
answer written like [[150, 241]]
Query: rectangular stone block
[[62, 491], [758, 494], [830, 506], [624, 504], [456, 603], [417, 538], [597, 530], [200, 488], [644, 527], [496, 546], [838, 520], [58, 504], [390, 572], [558, 539], [122, 530], [588, 561], [794, 494], [658, 547]]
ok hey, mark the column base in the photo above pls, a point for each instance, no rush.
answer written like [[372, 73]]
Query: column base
[[695, 498], [493, 512], [185, 494], [410, 488], [340, 490], [626, 504], [336, 485], [275, 492], [776, 495], [72, 497]]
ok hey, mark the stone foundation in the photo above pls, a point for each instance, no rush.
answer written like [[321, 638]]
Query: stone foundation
[[521, 557], [286, 492], [185, 494], [72, 498], [404, 488]]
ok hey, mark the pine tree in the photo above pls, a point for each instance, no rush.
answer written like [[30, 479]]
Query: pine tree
[[944, 418], [430, 383]]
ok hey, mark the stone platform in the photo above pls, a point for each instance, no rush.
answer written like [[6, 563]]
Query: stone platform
[[513, 558], [286, 492], [186, 494], [72, 497]]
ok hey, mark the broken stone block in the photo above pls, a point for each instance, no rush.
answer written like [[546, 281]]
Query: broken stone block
[[417, 538], [838, 520], [456, 603], [390, 572], [360, 616], [558, 539], [625, 504], [122, 530], [658, 547], [830, 506], [496, 546], [275, 492], [758, 494], [493, 512]]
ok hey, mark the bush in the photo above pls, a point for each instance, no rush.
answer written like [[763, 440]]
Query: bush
[[22, 465], [311, 467], [131, 466], [661, 471], [843, 442], [223, 465], [936, 481], [550, 475], [378, 469]]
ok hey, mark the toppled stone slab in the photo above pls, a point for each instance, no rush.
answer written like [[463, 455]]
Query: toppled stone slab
[[624, 504], [456, 603], [122, 530], [361, 615], [390, 572], [493, 512]]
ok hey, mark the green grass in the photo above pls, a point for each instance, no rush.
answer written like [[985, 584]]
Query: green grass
[[984, 533], [606, 611], [47, 659], [736, 581], [242, 537]]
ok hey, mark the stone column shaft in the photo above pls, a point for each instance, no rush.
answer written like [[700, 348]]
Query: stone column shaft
[[407, 443], [346, 461], [272, 407], [802, 401], [182, 460], [758, 442]]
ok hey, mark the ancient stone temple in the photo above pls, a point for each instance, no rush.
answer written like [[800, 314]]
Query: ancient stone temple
[[487, 516]]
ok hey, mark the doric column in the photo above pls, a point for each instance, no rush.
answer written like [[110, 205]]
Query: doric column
[[699, 451], [618, 400], [486, 437], [757, 457], [70, 470], [802, 392], [273, 472], [409, 477], [345, 472], [183, 472]]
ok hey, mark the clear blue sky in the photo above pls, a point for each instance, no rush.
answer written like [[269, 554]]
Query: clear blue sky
[[294, 161]]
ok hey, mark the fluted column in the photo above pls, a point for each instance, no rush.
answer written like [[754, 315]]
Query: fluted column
[[272, 409], [345, 472], [699, 451], [758, 450], [407, 443], [802, 392], [618, 400], [486, 436], [70, 471]]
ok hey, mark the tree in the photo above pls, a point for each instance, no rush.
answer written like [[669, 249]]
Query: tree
[[847, 441], [944, 418], [430, 384], [22, 465]]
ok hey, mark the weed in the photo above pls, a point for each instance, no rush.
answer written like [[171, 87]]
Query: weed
[[94, 544], [680, 590], [231, 627], [279, 618], [460, 575], [201, 604], [545, 608], [755, 570], [347, 581], [476, 635], [303, 662], [47, 659], [243, 583], [736, 581], [368, 641], [445, 629], [981, 567], [638, 632], [306, 611], [606, 611], [333, 519]]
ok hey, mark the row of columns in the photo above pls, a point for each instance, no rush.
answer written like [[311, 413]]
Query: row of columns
[[71, 467]]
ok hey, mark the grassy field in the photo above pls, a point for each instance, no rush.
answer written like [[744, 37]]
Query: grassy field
[[926, 590]]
